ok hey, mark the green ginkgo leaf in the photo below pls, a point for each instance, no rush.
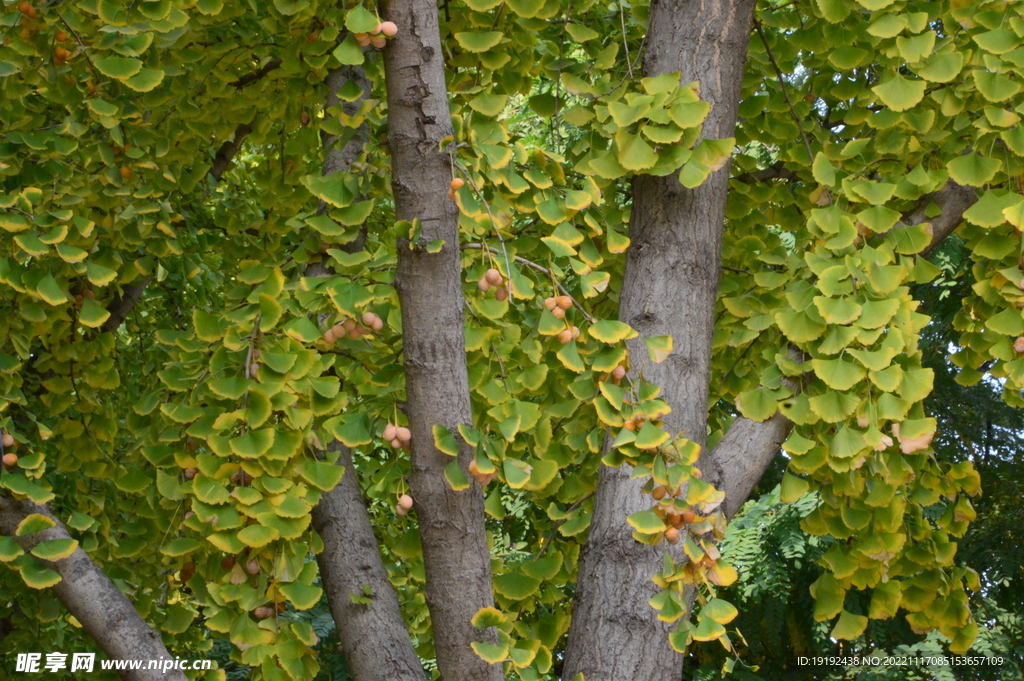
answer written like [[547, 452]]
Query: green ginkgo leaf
[[32, 523], [38, 577], [145, 80], [473, 41], [849, 626], [899, 93], [973, 169], [55, 549], [839, 374], [117, 67]]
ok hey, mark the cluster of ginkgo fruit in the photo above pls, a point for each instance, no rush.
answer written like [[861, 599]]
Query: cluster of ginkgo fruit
[[399, 437], [10, 458], [371, 322], [674, 518], [404, 505], [378, 37], [492, 279]]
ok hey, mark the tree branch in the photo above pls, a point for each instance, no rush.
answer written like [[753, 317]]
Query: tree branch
[[250, 78], [741, 457], [953, 201], [123, 304], [373, 635], [89, 595], [226, 153], [437, 379]]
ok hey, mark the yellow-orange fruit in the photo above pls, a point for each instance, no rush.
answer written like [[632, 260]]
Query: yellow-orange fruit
[[25, 7], [126, 173], [501, 294], [304, 118], [659, 493], [312, 37], [550, 303], [263, 612], [630, 425], [403, 434], [474, 470], [483, 284], [457, 183], [363, 39], [564, 302], [405, 501], [348, 324], [494, 276], [390, 431], [1018, 345], [190, 473], [559, 313], [253, 567], [378, 41], [672, 535], [254, 370], [330, 336], [396, 443], [378, 324], [389, 28], [575, 332], [8, 440], [565, 337], [61, 36], [619, 372], [10, 459], [376, 31]]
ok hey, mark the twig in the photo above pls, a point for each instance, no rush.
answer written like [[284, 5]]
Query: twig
[[785, 93], [551, 534]]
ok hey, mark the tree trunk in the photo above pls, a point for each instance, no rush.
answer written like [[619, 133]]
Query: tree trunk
[[373, 636], [670, 287], [89, 595], [455, 554]]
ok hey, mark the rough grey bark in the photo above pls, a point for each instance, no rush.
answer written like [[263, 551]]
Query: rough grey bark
[[374, 638], [670, 287], [120, 306], [738, 461], [89, 595], [455, 555]]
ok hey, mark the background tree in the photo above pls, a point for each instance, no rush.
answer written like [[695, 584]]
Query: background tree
[[489, 308]]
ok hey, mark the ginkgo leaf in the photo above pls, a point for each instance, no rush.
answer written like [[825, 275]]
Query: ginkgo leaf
[[899, 93], [479, 41], [973, 169]]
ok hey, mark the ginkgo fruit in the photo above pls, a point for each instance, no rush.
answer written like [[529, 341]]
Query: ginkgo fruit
[[659, 493], [254, 370], [390, 431], [494, 277], [263, 612], [565, 336], [405, 501], [304, 118], [378, 41], [190, 473], [619, 372], [501, 294], [389, 28], [1018, 345], [252, 567], [672, 535], [126, 173], [363, 39], [8, 440], [564, 302], [10, 459], [228, 562], [457, 183]]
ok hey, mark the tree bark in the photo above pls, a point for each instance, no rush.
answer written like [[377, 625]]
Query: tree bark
[[669, 288], [89, 595], [953, 201], [373, 636], [455, 554]]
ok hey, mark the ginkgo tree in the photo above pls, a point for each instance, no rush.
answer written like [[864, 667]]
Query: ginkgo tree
[[481, 320]]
